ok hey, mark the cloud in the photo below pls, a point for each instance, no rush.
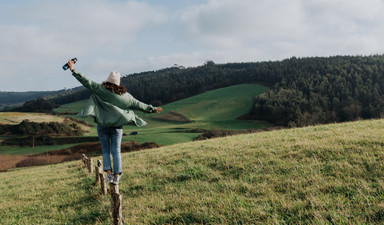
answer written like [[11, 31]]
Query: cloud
[[282, 28], [54, 31], [235, 23], [84, 25]]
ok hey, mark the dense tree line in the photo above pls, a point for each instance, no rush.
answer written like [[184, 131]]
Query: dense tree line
[[13, 99], [303, 90], [17, 97], [37, 105], [323, 90]]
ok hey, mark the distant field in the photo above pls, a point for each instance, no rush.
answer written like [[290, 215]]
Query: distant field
[[17, 117], [74, 107], [329, 174], [224, 104]]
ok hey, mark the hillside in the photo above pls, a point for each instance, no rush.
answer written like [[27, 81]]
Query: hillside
[[222, 104], [303, 91], [329, 174]]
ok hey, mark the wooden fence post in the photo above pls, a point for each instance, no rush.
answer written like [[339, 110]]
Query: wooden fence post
[[90, 165], [83, 159], [102, 179], [103, 185], [116, 202], [116, 198], [97, 177]]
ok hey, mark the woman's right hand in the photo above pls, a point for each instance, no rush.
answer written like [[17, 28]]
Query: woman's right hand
[[159, 109], [70, 64]]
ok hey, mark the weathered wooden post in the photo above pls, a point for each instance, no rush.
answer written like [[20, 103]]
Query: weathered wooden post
[[83, 158], [97, 171], [116, 202], [102, 179], [87, 163], [90, 165]]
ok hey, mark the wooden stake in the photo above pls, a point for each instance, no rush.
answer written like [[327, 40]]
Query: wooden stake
[[90, 165], [103, 185], [97, 177], [116, 203]]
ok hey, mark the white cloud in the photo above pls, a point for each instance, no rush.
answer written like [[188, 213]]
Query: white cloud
[[283, 28], [221, 21]]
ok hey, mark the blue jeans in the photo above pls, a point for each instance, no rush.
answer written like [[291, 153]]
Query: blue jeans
[[110, 140]]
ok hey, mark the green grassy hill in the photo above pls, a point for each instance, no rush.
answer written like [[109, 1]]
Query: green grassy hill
[[218, 108], [329, 174], [222, 104]]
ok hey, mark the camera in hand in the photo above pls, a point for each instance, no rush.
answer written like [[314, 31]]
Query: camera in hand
[[66, 66]]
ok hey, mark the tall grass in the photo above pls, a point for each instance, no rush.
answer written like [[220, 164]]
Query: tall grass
[[330, 174]]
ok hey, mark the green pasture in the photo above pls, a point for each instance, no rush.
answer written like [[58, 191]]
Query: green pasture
[[224, 104], [73, 107], [328, 174]]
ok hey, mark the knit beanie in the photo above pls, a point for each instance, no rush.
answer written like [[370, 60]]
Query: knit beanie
[[114, 78]]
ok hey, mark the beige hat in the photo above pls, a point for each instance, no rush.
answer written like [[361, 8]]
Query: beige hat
[[114, 78]]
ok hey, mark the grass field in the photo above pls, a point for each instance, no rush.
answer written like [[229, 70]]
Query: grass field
[[329, 174], [224, 104], [74, 107]]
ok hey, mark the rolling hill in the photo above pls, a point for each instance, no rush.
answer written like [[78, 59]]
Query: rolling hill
[[328, 174], [223, 104]]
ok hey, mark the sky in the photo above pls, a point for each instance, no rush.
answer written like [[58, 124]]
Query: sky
[[129, 36]]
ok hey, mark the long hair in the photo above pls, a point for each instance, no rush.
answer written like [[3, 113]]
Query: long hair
[[120, 90]]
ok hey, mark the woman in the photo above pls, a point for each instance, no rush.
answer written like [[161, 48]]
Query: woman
[[111, 106]]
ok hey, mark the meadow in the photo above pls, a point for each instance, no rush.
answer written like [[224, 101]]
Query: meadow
[[328, 174]]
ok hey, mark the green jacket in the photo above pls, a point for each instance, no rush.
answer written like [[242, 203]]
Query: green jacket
[[111, 109]]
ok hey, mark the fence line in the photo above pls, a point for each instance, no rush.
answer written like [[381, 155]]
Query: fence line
[[116, 197]]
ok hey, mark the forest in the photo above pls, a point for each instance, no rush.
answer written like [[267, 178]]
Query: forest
[[303, 91], [323, 90]]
